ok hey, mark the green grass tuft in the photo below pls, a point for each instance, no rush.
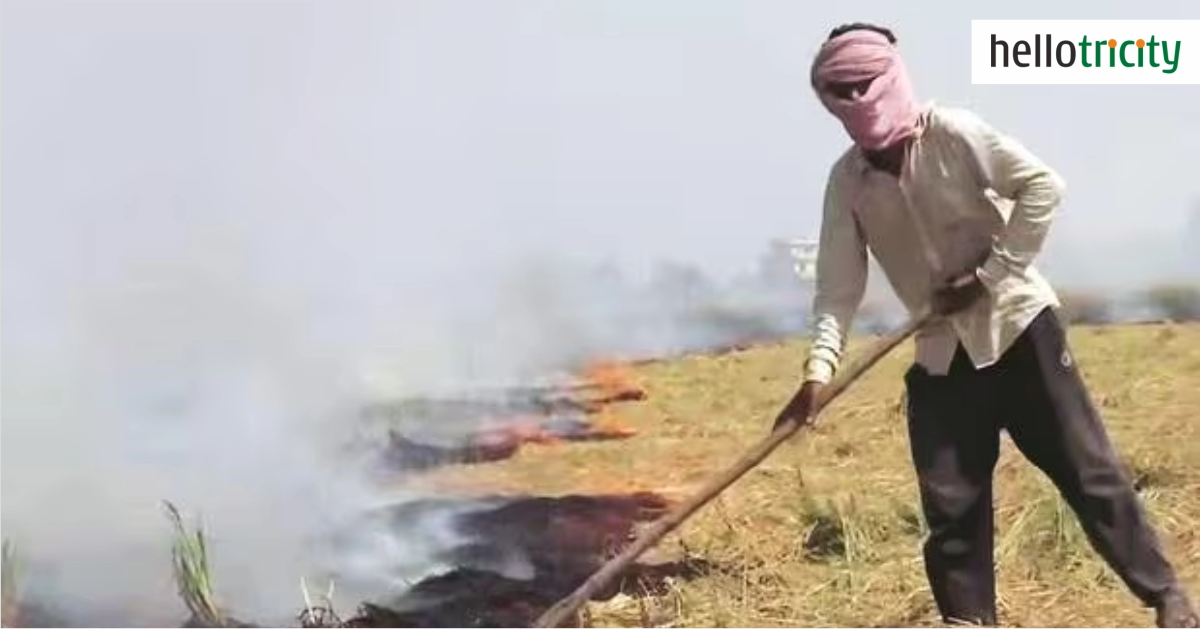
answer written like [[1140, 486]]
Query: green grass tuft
[[193, 577]]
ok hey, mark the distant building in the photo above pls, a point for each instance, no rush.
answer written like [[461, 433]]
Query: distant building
[[799, 255]]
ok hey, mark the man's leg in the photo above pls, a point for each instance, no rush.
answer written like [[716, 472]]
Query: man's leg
[[1051, 419], [955, 442]]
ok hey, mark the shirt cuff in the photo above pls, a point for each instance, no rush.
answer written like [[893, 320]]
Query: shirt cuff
[[818, 370], [992, 273]]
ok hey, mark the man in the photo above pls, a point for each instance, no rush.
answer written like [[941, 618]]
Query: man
[[955, 213]]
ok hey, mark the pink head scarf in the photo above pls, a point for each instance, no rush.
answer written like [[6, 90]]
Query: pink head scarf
[[887, 112]]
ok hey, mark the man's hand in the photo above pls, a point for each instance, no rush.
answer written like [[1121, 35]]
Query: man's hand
[[800, 409], [958, 295]]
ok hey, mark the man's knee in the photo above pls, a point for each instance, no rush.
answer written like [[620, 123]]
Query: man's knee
[[953, 506], [1100, 492]]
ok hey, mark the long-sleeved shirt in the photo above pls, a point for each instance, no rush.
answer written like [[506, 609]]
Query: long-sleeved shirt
[[968, 199]]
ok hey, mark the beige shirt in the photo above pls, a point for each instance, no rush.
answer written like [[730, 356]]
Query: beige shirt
[[966, 193]]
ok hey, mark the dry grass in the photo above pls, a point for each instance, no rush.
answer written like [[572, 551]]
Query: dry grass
[[827, 531]]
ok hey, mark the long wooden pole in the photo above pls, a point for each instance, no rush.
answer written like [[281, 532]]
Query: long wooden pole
[[655, 532]]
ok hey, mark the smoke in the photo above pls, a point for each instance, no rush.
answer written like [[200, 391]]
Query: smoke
[[170, 334], [202, 359], [174, 373], [227, 226]]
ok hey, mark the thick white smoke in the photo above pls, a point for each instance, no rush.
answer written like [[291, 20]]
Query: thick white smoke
[[200, 373], [178, 374], [229, 225]]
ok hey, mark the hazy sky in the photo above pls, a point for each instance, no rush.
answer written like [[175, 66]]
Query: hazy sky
[[216, 212], [434, 134]]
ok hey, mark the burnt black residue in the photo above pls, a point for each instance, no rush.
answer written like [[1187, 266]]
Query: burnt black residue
[[428, 432], [477, 408], [405, 453], [564, 539]]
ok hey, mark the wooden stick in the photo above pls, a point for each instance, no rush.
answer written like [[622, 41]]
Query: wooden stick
[[651, 535]]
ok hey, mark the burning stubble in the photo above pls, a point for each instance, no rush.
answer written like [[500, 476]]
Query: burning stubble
[[167, 363], [203, 357], [199, 300]]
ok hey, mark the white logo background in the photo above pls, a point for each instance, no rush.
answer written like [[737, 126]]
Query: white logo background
[[1184, 32]]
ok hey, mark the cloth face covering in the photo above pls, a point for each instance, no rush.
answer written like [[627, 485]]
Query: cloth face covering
[[887, 111]]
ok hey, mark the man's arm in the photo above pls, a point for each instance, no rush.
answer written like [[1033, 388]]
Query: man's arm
[[1013, 172], [841, 283]]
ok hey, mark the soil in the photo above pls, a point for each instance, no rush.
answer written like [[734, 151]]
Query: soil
[[564, 539]]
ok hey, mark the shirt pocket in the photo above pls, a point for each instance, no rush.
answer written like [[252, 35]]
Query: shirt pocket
[[962, 221], [947, 187]]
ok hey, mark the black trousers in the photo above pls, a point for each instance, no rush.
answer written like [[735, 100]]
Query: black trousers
[[1036, 393]]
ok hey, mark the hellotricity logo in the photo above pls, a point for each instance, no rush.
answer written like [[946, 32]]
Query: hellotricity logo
[[1079, 52]]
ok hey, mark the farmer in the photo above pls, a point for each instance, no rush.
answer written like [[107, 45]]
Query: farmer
[[926, 188]]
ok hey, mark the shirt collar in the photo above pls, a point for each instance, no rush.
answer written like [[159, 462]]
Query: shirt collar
[[863, 167]]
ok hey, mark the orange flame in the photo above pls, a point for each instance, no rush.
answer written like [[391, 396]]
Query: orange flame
[[609, 381], [601, 425]]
